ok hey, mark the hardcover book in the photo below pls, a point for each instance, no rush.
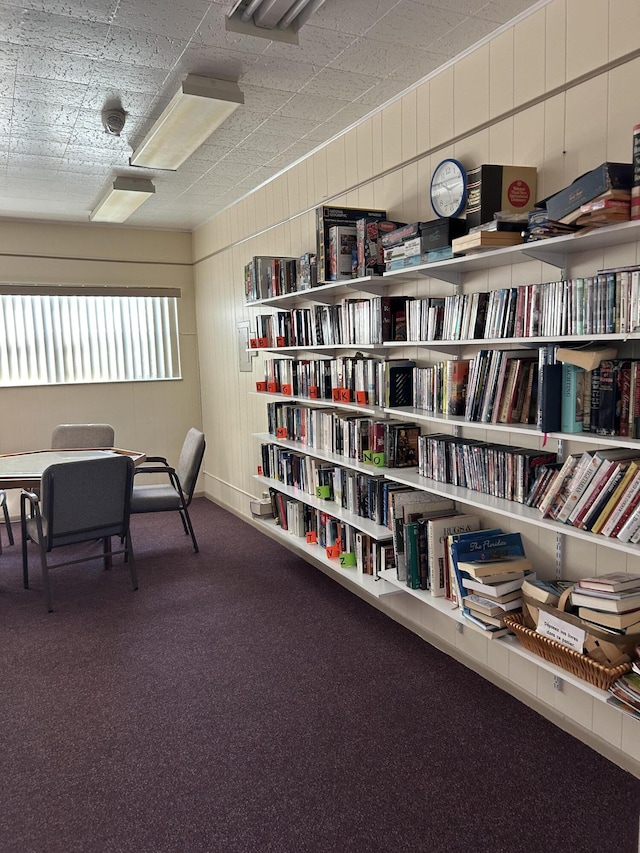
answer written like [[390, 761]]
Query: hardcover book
[[585, 188], [326, 216], [572, 398], [492, 188]]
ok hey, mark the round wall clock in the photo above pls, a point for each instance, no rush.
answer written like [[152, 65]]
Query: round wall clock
[[448, 191]]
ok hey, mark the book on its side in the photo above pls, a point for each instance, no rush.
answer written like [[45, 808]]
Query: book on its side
[[625, 603], [546, 592], [486, 568], [588, 358], [498, 588], [611, 620], [611, 582]]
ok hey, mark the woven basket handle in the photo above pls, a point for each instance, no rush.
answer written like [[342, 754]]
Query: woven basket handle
[[564, 598]]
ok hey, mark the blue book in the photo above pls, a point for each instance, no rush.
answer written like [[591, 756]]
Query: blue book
[[457, 590], [572, 398]]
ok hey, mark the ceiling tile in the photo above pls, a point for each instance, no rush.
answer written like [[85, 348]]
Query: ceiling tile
[[139, 48], [156, 16], [63, 61]]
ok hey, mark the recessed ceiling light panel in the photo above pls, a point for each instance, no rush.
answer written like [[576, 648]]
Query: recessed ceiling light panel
[[195, 111]]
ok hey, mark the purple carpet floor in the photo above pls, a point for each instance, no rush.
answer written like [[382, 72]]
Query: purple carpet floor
[[242, 701]]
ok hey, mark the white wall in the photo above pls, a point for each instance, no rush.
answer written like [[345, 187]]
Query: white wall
[[556, 91], [149, 416]]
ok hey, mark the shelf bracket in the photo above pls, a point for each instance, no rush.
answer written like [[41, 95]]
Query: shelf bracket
[[444, 275], [547, 257], [558, 683]]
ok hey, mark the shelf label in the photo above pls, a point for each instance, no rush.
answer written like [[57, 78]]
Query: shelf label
[[280, 341], [323, 492], [314, 392], [312, 537], [361, 398], [281, 432], [334, 551], [341, 395], [373, 458], [261, 386], [347, 559], [272, 387], [287, 389], [260, 471], [253, 343], [262, 342]]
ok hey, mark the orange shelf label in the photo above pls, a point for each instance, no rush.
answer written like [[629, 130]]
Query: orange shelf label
[[361, 398], [281, 432], [287, 389], [263, 342], [259, 470], [261, 386], [253, 343], [314, 392], [280, 341], [312, 537], [272, 387]]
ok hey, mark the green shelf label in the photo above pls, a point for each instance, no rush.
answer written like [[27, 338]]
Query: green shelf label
[[323, 492], [348, 559]]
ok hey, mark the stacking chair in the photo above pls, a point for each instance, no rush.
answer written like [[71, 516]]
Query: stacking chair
[[7, 519], [79, 436], [176, 494], [80, 501]]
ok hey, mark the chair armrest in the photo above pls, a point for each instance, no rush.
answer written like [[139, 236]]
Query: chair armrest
[[31, 497], [154, 469], [154, 459]]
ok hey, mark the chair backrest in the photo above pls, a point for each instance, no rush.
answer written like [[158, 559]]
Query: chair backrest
[[190, 461], [86, 499], [78, 436]]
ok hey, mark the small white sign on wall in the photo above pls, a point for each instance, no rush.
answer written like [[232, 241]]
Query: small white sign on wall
[[560, 631], [245, 361]]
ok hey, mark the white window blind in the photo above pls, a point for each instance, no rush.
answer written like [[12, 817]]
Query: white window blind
[[53, 339]]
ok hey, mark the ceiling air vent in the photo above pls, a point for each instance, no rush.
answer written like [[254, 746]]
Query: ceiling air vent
[[278, 20]]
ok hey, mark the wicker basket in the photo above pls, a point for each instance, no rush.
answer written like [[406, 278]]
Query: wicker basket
[[577, 664]]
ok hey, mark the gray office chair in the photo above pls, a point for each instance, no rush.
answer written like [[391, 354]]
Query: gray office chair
[[178, 492], [79, 436], [80, 501], [7, 519]]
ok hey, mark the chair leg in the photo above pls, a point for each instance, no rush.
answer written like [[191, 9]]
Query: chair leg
[[45, 578], [7, 522], [186, 518], [131, 560], [25, 558], [106, 550]]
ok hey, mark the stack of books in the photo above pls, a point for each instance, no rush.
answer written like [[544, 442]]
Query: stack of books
[[488, 569], [611, 601], [612, 206], [625, 692]]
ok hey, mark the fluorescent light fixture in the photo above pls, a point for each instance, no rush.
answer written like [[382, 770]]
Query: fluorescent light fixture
[[278, 20], [195, 111], [124, 197]]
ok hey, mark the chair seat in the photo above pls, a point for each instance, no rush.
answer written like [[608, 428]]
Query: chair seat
[[156, 497]]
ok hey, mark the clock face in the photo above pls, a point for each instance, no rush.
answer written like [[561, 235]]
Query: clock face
[[449, 188]]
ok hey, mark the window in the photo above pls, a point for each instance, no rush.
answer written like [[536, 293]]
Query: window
[[80, 335]]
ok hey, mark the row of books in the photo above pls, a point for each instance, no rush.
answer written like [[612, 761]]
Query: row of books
[[351, 547], [345, 379], [364, 495], [384, 443], [351, 321], [504, 388], [606, 303], [597, 490], [608, 398], [504, 471]]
